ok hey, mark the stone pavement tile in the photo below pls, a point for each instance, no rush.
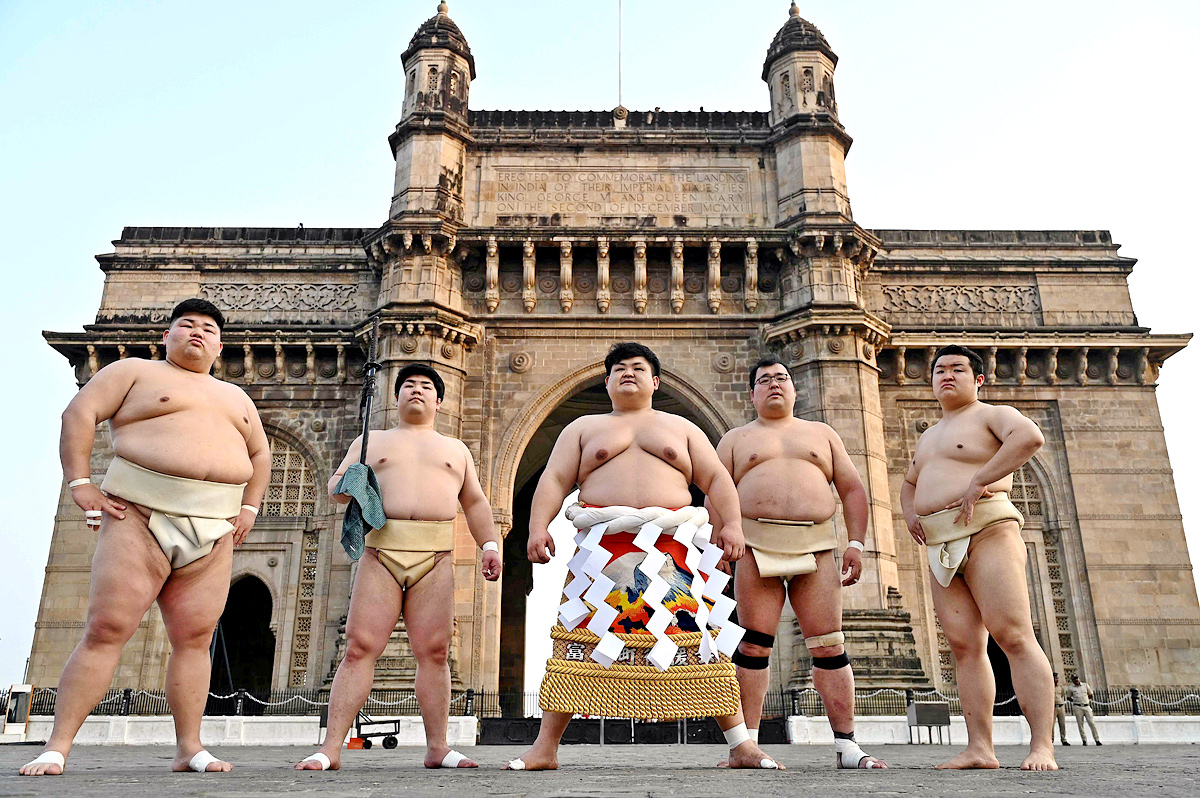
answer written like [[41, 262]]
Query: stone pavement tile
[[1113, 771]]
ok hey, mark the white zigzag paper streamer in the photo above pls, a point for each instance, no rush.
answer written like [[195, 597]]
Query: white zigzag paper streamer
[[590, 586]]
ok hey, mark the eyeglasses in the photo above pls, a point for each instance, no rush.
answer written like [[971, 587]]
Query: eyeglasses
[[778, 379]]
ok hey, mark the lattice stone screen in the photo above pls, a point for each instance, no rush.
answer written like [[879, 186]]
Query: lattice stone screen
[[292, 490]]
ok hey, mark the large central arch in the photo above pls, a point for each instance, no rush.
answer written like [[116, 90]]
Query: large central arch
[[530, 439]]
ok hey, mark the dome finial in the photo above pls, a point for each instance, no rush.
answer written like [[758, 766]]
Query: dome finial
[[794, 11], [444, 9]]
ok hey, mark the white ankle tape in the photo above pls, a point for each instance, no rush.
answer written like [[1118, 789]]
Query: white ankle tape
[[737, 735], [850, 753], [753, 734]]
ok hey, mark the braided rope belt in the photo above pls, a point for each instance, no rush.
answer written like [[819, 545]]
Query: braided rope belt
[[688, 526]]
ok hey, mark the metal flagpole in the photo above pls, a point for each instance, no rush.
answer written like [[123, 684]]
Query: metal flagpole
[[619, 52], [370, 368]]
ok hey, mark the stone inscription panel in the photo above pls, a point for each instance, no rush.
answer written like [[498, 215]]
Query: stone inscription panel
[[600, 194]]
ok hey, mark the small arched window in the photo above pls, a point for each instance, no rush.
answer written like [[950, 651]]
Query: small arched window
[[453, 84], [433, 78]]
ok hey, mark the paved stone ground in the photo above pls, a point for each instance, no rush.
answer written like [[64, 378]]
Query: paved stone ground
[[1160, 771]]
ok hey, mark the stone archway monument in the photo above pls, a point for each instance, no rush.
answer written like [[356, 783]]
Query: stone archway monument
[[519, 245]]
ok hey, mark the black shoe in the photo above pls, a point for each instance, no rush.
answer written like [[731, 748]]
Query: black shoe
[[1099, 743], [1064, 742], [1085, 742]]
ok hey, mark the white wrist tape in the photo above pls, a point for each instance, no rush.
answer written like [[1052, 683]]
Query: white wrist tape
[[491, 545], [250, 508], [75, 483], [737, 735], [856, 544]]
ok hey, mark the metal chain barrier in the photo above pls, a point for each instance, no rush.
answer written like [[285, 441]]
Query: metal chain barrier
[[285, 701], [1188, 697]]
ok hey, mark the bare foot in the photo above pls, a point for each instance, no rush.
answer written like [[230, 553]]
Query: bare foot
[[969, 760], [749, 755], [36, 768], [533, 759], [180, 765], [434, 757], [1040, 759], [335, 761]]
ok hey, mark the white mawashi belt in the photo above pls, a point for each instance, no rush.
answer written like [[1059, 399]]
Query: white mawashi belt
[[590, 586]]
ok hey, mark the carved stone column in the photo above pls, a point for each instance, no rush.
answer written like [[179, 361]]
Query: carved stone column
[[640, 295], [529, 276], [714, 276], [751, 286], [566, 296], [677, 294], [603, 281], [492, 280]]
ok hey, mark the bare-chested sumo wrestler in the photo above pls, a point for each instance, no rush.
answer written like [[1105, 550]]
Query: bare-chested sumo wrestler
[[783, 467], [633, 467], [191, 467], [955, 501], [424, 477]]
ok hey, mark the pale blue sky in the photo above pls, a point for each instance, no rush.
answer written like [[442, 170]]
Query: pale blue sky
[[965, 115]]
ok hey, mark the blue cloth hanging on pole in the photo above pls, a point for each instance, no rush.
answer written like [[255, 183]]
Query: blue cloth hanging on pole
[[365, 508]]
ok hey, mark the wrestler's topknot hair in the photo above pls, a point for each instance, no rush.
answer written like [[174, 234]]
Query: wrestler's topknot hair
[[421, 370], [766, 360], [971, 355], [629, 349], [201, 306]]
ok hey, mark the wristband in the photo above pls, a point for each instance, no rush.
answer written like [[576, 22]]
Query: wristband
[[857, 544], [250, 508], [75, 483], [491, 545]]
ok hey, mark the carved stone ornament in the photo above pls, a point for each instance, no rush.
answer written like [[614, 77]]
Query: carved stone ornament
[[280, 296], [318, 425], [910, 299], [622, 285], [548, 285], [835, 345], [447, 350], [868, 351], [409, 345], [923, 424], [657, 285], [474, 282], [520, 362], [511, 283], [723, 362], [585, 284]]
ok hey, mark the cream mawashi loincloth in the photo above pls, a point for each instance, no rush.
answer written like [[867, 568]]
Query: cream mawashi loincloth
[[409, 549], [187, 516], [948, 542], [787, 548], [633, 636]]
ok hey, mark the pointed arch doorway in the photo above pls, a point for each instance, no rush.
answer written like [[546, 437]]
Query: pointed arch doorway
[[524, 624], [243, 652]]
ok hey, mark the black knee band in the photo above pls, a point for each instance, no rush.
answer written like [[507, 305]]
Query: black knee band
[[837, 735], [750, 662], [758, 638], [832, 663]]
